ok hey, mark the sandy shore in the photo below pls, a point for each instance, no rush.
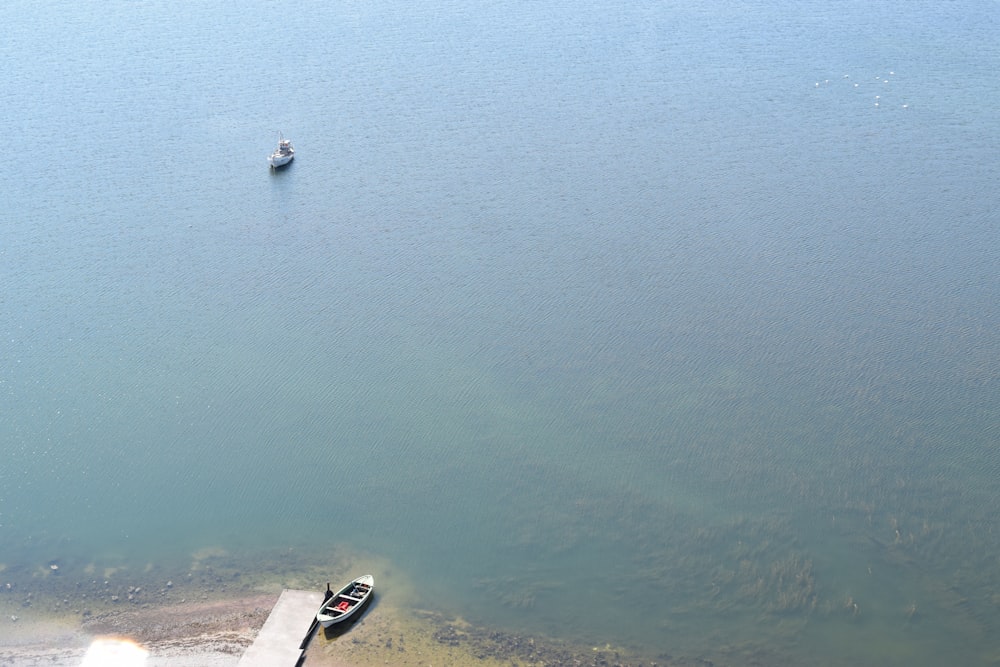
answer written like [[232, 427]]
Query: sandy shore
[[211, 633], [206, 612], [215, 633]]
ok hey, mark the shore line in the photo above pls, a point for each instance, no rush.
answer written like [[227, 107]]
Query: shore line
[[207, 609], [217, 631]]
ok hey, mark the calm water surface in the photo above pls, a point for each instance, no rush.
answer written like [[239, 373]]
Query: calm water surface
[[684, 314]]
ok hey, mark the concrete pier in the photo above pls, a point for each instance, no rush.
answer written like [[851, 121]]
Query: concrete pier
[[278, 644]]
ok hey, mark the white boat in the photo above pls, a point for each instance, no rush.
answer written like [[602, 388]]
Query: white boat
[[342, 605], [283, 154]]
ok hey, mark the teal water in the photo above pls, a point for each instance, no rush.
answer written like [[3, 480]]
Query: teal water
[[644, 310]]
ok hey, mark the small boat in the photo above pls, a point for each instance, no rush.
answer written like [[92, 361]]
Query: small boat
[[343, 604], [283, 154]]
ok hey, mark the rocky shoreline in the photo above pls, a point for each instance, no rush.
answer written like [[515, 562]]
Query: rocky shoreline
[[215, 633], [208, 613]]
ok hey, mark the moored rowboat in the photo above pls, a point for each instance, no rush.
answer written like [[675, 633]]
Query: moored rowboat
[[346, 602]]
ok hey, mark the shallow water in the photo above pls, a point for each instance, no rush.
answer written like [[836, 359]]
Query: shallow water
[[650, 311]]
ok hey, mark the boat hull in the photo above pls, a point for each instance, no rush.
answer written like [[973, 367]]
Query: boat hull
[[283, 154], [347, 602]]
